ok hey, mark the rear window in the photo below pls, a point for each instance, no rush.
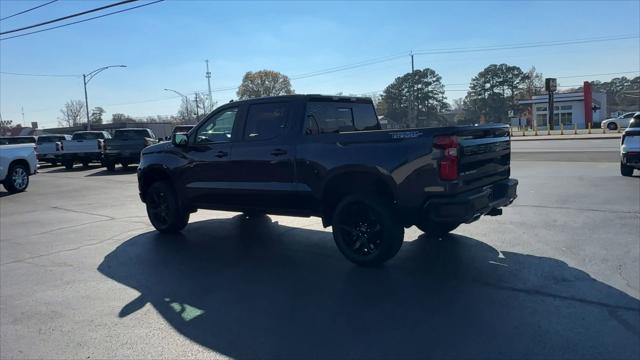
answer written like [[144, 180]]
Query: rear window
[[632, 139], [130, 134], [17, 140], [87, 136], [336, 117], [49, 139]]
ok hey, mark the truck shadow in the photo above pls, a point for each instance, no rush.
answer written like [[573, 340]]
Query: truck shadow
[[256, 289], [119, 171], [76, 168]]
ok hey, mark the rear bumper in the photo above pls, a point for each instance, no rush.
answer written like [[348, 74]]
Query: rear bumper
[[47, 157], [116, 157], [91, 156], [470, 206], [631, 159]]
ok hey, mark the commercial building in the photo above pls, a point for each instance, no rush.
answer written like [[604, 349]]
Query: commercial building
[[575, 108]]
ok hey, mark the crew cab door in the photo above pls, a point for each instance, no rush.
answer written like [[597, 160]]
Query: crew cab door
[[207, 177], [263, 158]]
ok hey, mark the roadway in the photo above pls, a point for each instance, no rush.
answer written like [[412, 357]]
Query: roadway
[[595, 150], [83, 275]]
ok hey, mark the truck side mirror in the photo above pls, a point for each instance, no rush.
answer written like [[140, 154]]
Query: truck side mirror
[[179, 139]]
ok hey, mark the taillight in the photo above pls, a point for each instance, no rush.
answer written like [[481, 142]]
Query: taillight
[[101, 145], [59, 146], [448, 165]]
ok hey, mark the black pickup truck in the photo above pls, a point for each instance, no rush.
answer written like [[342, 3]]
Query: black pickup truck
[[312, 155], [125, 147]]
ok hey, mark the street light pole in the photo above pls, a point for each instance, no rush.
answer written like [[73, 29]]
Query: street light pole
[[186, 100], [85, 80], [86, 101]]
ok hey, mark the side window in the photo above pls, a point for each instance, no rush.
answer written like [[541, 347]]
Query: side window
[[218, 128], [265, 121], [328, 117], [629, 115], [365, 117]]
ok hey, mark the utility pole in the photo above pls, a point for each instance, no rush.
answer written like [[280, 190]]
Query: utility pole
[[208, 76], [22, 111], [412, 117]]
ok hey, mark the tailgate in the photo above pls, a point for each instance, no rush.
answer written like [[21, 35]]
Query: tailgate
[[74, 146], [485, 155], [132, 146]]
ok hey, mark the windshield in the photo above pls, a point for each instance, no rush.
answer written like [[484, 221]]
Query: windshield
[[130, 134]]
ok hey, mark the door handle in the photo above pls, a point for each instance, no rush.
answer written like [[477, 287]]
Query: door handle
[[221, 154], [278, 152]]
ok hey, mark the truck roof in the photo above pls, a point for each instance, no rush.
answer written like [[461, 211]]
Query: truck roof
[[145, 129], [308, 97]]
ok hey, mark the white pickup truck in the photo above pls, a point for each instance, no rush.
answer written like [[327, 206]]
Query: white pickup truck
[[84, 147], [17, 162], [47, 148]]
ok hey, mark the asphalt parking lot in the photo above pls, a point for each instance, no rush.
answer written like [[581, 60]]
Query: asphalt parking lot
[[84, 275]]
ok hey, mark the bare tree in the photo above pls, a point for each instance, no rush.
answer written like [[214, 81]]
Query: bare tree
[[189, 108], [458, 105], [533, 84], [73, 113]]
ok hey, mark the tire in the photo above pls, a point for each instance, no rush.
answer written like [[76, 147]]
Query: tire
[[612, 126], [165, 211], [437, 229], [110, 165], [626, 170], [366, 231], [68, 164], [17, 178]]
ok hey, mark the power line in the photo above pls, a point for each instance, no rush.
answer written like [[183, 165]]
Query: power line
[[526, 45], [68, 16], [39, 75], [81, 21], [614, 73], [26, 11]]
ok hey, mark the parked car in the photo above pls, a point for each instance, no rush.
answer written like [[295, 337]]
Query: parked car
[[12, 140], [182, 129], [46, 148], [17, 163], [326, 156], [621, 121], [630, 147], [84, 147], [179, 129], [125, 146]]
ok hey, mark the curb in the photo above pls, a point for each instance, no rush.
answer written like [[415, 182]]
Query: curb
[[567, 137]]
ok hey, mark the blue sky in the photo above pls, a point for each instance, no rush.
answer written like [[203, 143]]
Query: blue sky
[[165, 45]]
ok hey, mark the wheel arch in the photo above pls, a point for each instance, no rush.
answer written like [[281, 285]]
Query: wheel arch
[[344, 182], [151, 175]]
